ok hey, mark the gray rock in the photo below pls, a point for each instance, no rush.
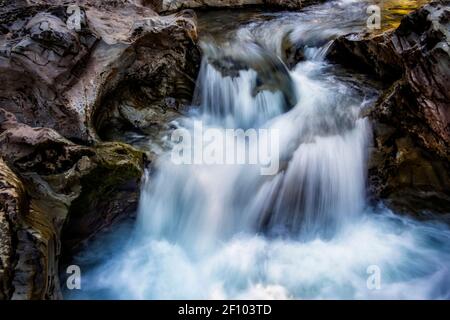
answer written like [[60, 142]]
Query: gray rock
[[60, 183], [175, 5], [410, 164]]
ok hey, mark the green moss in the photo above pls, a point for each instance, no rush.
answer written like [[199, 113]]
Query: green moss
[[116, 164]]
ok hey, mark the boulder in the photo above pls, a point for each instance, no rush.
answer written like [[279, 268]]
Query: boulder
[[63, 67], [60, 189], [57, 73], [163, 6], [410, 163]]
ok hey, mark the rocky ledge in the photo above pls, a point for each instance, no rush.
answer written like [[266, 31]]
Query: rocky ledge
[[410, 168], [73, 78], [163, 6], [50, 188]]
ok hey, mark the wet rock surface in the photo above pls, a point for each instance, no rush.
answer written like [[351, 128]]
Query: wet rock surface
[[12, 206], [74, 78], [61, 189], [59, 77], [173, 5], [410, 162], [118, 69]]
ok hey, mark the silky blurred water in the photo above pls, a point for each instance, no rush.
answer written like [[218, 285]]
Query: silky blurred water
[[228, 232]]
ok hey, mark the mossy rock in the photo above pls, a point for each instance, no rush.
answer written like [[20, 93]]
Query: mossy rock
[[109, 191]]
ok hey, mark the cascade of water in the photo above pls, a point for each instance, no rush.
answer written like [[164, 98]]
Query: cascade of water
[[233, 100], [226, 231], [320, 189]]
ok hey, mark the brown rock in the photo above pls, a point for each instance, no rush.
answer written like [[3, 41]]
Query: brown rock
[[12, 206], [57, 77], [163, 6], [71, 189], [38, 56], [59, 183], [410, 165]]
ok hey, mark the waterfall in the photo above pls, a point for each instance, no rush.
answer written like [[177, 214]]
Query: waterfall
[[226, 231], [320, 188], [232, 99]]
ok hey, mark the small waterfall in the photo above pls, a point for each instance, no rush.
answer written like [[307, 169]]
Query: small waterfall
[[243, 85], [226, 231], [234, 100], [318, 191]]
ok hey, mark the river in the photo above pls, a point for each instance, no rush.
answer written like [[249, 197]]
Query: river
[[221, 231]]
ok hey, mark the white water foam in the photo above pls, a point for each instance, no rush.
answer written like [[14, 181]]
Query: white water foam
[[225, 232]]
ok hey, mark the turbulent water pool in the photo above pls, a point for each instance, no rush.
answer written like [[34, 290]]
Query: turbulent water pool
[[226, 231]]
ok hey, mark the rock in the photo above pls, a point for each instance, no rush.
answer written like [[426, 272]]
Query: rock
[[272, 73], [417, 55], [407, 177], [410, 168], [28, 268], [109, 191], [13, 204], [56, 76], [70, 76], [160, 79], [71, 190], [38, 55], [162, 6], [373, 54]]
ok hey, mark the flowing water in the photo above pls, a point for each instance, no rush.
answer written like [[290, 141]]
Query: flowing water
[[307, 231]]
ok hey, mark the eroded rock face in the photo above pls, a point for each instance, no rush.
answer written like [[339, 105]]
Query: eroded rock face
[[56, 76], [409, 178], [174, 5], [67, 73], [59, 188], [410, 168], [13, 204], [159, 82], [38, 54]]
